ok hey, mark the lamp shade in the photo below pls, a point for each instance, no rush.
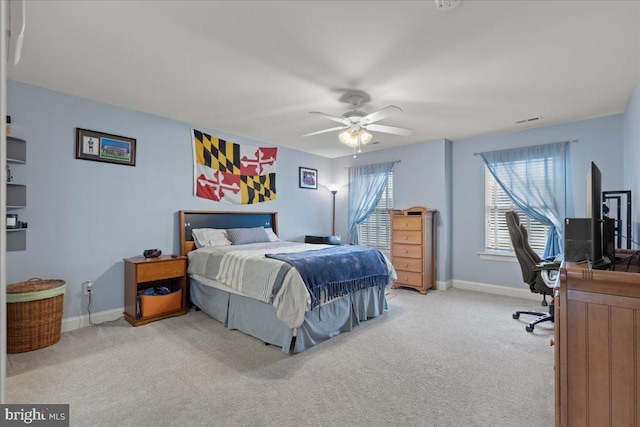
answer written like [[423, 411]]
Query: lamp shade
[[349, 138], [333, 187], [365, 137]]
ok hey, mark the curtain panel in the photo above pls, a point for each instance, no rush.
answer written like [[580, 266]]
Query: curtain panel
[[534, 178], [366, 184]]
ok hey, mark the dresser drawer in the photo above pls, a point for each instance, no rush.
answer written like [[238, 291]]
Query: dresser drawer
[[407, 264], [407, 278], [160, 270], [409, 251], [408, 237], [408, 223]]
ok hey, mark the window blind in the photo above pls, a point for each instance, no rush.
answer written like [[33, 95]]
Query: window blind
[[497, 203], [376, 230]]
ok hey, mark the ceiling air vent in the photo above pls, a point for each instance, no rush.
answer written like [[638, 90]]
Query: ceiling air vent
[[532, 119], [446, 4]]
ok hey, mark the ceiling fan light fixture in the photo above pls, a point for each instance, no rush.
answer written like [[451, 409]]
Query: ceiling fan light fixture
[[349, 137], [354, 138], [365, 137]]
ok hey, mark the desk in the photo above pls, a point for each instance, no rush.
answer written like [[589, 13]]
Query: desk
[[597, 335]]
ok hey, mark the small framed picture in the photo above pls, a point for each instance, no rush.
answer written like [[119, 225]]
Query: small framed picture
[[105, 147], [308, 178]]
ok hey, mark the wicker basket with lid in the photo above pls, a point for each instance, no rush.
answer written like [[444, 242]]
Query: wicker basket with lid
[[34, 314]]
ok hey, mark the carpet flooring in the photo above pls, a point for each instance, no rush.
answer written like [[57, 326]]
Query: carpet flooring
[[448, 358]]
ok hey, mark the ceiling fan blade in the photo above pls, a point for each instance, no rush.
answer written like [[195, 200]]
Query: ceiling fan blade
[[330, 117], [381, 114], [389, 129], [325, 130]]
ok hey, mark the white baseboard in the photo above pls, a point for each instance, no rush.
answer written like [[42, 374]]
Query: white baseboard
[[77, 322], [497, 290], [443, 286]]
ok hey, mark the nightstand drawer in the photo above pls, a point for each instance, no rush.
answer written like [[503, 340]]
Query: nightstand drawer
[[408, 223], [160, 270], [406, 278], [409, 251], [408, 237], [407, 264]]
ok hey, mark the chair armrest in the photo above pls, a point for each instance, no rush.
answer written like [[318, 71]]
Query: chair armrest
[[547, 266]]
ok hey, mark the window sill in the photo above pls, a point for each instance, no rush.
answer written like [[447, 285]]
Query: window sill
[[498, 256]]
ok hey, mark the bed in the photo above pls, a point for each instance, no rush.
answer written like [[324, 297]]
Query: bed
[[272, 301]]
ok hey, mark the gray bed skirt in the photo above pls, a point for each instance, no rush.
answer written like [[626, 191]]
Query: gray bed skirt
[[259, 320]]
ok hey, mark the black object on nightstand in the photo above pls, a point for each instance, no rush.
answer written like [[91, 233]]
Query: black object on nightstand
[[326, 240]]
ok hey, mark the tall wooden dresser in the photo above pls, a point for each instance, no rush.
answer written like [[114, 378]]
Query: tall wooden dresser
[[412, 248]]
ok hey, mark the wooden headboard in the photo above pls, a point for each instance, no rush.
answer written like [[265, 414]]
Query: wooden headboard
[[188, 220]]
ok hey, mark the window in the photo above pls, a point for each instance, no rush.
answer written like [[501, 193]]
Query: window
[[497, 203], [376, 230]]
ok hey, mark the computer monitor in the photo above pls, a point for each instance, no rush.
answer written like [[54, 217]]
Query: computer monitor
[[599, 239]]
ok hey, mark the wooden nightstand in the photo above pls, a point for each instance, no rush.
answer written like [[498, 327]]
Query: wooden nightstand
[[141, 273]]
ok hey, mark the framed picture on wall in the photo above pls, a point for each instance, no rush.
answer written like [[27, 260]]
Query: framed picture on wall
[[105, 147], [308, 178]]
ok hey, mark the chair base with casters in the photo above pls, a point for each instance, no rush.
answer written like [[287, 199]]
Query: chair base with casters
[[542, 317]]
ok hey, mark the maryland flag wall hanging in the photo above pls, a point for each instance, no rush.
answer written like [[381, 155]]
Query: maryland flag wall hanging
[[232, 173]]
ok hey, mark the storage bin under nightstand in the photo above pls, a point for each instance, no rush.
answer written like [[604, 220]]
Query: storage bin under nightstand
[[153, 305]]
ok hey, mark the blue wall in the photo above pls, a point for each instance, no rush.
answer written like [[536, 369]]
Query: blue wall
[[447, 176], [599, 140], [631, 124], [85, 217]]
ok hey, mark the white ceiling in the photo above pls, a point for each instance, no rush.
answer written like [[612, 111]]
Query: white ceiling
[[256, 68]]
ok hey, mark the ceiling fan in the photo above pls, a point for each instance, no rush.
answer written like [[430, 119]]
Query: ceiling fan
[[356, 124]]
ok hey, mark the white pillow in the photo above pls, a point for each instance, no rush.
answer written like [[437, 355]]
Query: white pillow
[[206, 237], [273, 237]]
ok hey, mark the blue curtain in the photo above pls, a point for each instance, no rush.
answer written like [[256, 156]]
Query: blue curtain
[[534, 179], [366, 185]]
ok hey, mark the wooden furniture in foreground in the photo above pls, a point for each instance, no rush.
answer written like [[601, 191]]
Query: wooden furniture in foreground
[[141, 273], [597, 336], [412, 248]]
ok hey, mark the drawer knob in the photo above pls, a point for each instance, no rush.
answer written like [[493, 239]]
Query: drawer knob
[[406, 278], [406, 265], [406, 224], [406, 251], [406, 237], [552, 342]]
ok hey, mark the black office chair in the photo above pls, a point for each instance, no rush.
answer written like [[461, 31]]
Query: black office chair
[[539, 275]]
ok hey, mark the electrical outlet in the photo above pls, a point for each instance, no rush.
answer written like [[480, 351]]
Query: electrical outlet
[[88, 287]]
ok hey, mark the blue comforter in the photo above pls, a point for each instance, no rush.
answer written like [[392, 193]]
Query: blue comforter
[[338, 270]]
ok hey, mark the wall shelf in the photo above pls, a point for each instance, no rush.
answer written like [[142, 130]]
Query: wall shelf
[[16, 241], [16, 150], [16, 193]]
